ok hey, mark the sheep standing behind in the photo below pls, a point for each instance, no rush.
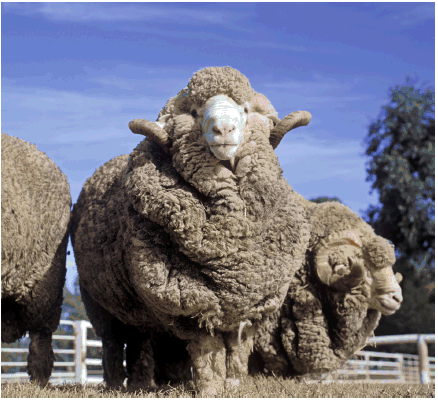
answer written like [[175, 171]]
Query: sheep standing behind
[[193, 234], [35, 207], [335, 300]]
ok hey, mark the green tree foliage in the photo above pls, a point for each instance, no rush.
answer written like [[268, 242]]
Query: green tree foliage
[[73, 308], [323, 199], [402, 169]]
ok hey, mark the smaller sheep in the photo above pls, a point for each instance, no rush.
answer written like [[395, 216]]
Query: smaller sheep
[[35, 206], [335, 300]]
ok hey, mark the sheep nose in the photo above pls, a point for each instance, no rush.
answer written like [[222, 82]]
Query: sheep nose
[[223, 128]]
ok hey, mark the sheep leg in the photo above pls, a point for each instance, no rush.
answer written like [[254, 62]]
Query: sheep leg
[[140, 361], [41, 357], [238, 355], [112, 359], [208, 356]]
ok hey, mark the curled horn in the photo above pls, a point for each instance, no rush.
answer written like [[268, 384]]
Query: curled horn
[[325, 271], [289, 122], [152, 131]]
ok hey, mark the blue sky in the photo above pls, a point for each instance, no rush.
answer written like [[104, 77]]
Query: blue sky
[[75, 74]]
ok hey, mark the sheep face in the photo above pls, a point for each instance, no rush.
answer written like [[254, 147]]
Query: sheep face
[[343, 262], [222, 121]]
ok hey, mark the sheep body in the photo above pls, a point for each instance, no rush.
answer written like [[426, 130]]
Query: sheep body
[[35, 207], [198, 245], [319, 327]]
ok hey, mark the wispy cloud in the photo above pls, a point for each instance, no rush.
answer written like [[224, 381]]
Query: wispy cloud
[[323, 90], [67, 116], [421, 13], [124, 12]]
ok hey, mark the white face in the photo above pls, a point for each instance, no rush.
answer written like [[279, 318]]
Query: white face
[[222, 122], [386, 294]]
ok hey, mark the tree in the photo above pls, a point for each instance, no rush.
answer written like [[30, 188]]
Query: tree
[[323, 199], [73, 308], [402, 169]]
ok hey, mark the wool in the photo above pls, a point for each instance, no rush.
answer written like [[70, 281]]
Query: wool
[[319, 328], [35, 205]]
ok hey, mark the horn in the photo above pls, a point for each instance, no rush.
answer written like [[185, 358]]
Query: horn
[[323, 268], [152, 131], [289, 122]]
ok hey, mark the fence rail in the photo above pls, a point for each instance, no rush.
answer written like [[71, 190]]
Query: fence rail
[[78, 355]]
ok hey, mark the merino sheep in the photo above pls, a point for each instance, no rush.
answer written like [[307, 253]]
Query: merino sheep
[[194, 234], [35, 206], [335, 300]]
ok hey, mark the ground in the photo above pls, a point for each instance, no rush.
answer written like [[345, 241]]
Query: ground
[[251, 387]]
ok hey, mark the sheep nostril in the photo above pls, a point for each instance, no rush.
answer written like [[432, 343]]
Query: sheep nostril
[[398, 297]]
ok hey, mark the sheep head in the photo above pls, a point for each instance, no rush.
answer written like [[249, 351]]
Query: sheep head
[[221, 101], [343, 261]]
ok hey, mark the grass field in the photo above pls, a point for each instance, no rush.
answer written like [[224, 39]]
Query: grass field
[[251, 387]]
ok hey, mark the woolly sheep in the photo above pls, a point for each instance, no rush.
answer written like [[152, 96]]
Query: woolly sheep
[[35, 206], [335, 300], [193, 234]]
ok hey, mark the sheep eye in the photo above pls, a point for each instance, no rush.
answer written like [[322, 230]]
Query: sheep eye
[[246, 110], [194, 113]]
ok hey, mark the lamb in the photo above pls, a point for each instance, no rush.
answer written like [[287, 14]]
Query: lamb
[[193, 234], [335, 299], [35, 206]]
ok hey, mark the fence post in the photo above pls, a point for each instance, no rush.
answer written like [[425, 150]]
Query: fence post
[[401, 377], [367, 368], [423, 362], [81, 351]]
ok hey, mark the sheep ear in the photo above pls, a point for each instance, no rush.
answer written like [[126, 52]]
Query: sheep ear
[[152, 131], [289, 122], [324, 270]]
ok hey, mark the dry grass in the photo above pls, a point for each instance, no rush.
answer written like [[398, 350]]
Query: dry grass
[[251, 387]]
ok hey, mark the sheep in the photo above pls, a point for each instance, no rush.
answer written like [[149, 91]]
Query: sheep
[[335, 299], [193, 234], [35, 206]]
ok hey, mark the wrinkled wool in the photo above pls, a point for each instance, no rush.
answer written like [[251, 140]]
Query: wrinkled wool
[[247, 233], [317, 330]]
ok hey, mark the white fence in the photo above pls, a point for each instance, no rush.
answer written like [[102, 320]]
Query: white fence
[[78, 355]]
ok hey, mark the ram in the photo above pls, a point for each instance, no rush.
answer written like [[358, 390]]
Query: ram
[[35, 207], [193, 234], [335, 299]]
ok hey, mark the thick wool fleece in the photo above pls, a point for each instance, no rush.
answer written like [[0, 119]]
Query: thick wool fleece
[[183, 241], [35, 207], [222, 250], [318, 329], [212, 81]]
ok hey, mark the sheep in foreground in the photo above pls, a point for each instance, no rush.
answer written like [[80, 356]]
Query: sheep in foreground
[[193, 234], [335, 300], [35, 206]]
